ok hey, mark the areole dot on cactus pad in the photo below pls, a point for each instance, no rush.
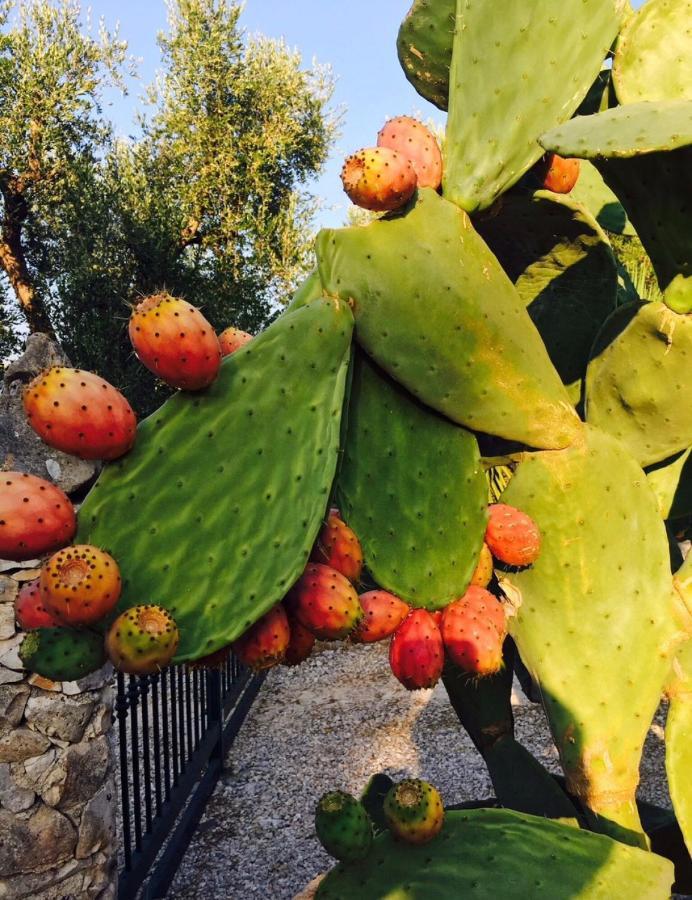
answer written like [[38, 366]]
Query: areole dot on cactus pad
[[416, 653], [382, 614], [325, 603], [29, 610], [338, 547], [80, 413], [413, 140], [80, 584], [142, 640], [36, 517], [174, 340], [343, 826], [473, 631], [414, 811], [264, 644], [379, 179], [512, 536]]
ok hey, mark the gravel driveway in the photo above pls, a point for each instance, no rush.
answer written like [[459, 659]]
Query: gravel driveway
[[329, 723]]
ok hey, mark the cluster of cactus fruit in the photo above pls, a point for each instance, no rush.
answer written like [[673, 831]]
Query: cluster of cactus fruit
[[469, 433]]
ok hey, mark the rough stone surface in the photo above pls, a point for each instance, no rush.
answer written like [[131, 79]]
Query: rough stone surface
[[9, 654], [60, 717], [13, 699], [256, 839], [86, 765], [20, 447], [8, 589], [12, 795], [97, 825], [20, 744], [34, 841]]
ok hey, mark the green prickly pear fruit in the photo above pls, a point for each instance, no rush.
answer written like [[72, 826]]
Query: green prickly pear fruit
[[343, 826], [264, 644], [379, 179], [338, 546], [414, 811], [416, 654], [142, 640], [62, 654], [557, 174], [473, 631], [410, 137], [325, 603], [484, 568], [512, 536]]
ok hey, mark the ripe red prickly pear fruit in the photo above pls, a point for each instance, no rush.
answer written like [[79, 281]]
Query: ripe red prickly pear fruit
[[416, 654], [232, 339], [29, 610], [379, 179], [557, 174], [325, 603], [483, 572], [36, 517], [411, 138], [80, 584], [80, 413], [413, 811], [142, 640], [383, 613], [337, 546], [300, 644], [174, 340], [473, 631], [437, 616], [264, 644], [512, 536]]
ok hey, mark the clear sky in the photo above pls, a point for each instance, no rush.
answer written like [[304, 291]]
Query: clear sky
[[357, 38]]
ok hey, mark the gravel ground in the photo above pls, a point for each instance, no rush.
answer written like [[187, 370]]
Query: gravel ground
[[329, 723]]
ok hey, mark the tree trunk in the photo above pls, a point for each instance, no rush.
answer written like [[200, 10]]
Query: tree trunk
[[13, 262]]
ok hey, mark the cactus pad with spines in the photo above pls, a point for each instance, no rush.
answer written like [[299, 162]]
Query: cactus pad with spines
[[424, 45], [562, 265], [638, 380], [671, 482], [213, 514], [597, 619], [506, 90], [486, 853], [434, 309], [653, 60], [412, 487]]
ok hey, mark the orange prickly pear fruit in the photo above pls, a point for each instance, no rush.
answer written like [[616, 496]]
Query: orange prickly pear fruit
[[410, 137], [379, 179], [557, 174], [264, 644], [80, 584], [337, 546], [232, 339], [512, 536], [383, 613]]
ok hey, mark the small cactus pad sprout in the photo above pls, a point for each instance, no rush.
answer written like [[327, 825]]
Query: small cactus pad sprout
[[142, 640], [343, 826], [512, 536], [36, 517], [29, 610], [174, 340], [414, 812], [80, 584], [232, 339], [379, 179], [264, 644], [80, 413], [416, 654]]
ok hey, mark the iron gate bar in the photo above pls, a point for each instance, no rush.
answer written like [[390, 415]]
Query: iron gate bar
[[188, 758]]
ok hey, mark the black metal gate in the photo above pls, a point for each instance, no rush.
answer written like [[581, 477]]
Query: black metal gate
[[174, 731]]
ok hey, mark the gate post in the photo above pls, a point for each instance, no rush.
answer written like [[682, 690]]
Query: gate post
[[57, 791]]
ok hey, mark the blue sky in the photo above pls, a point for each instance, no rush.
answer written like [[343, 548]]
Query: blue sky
[[357, 38]]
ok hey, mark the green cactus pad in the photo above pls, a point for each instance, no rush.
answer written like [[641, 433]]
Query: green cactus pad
[[637, 383], [424, 45], [434, 308], [62, 654], [412, 487], [671, 482], [507, 89], [653, 60], [678, 294], [491, 853], [597, 619], [309, 290], [561, 263], [212, 515], [592, 191], [679, 722]]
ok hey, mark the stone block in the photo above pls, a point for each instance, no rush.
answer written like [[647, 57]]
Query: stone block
[[34, 841], [21, 744], [57, 716]]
